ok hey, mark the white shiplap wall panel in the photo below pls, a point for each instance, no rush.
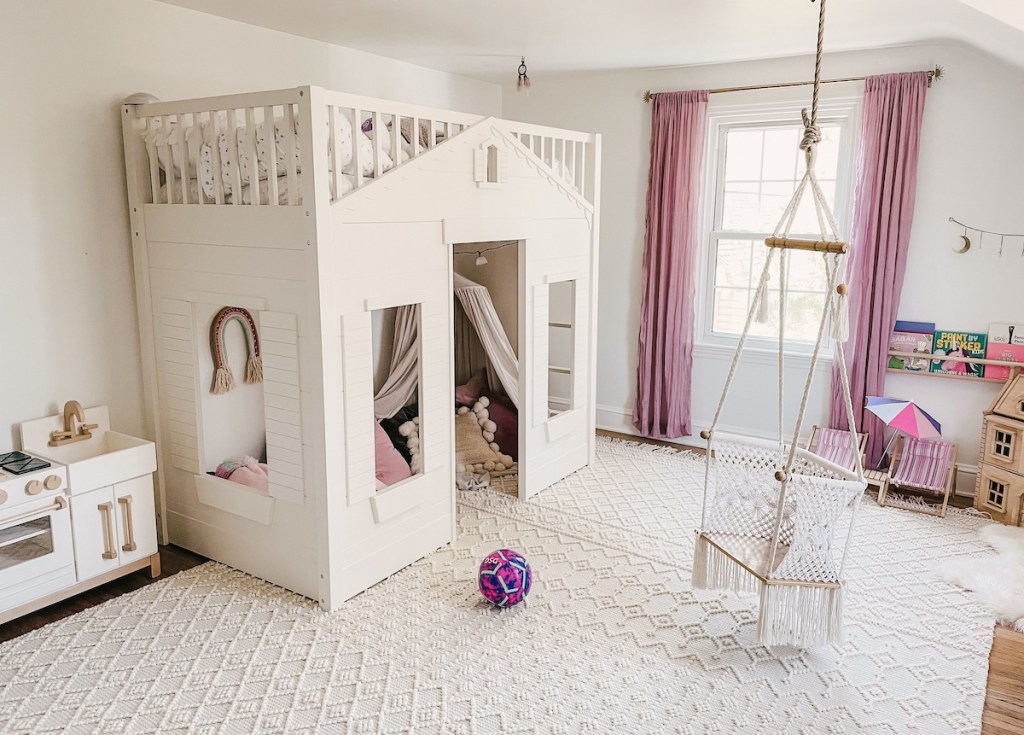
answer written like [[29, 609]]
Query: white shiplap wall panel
[[357, 372], [282, 405], [178, 383]]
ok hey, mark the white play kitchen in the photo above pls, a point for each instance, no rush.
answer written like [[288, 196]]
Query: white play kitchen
[[76, 509]]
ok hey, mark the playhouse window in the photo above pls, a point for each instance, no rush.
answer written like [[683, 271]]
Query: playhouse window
[[397, 359], [492, 164], [1003, 445], [561, 346], [996, 495]]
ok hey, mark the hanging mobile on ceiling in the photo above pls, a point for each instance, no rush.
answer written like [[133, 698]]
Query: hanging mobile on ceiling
[[523, 80]]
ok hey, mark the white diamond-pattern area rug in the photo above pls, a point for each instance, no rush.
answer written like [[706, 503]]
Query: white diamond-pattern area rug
[[612, 638]]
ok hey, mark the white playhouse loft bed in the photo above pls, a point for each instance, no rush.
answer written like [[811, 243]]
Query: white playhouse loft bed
[[310, 210]]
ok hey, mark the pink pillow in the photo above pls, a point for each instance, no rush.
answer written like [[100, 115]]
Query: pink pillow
[[468, 394], [503, 413], [391, 467], [253, 474]]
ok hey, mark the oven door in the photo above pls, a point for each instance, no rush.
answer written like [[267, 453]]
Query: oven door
[[36, 551]]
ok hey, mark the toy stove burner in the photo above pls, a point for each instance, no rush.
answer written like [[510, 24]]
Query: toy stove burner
[[19, 463]]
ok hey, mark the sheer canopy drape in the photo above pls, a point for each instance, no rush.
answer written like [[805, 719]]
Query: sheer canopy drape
[[405, 364]]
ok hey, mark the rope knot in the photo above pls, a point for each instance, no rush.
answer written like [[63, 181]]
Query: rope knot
[[812, 133]]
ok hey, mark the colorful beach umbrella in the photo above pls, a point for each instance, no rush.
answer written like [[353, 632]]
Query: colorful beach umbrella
[[905, 416]]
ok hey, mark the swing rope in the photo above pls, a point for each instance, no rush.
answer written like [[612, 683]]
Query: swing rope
[[834, 307]]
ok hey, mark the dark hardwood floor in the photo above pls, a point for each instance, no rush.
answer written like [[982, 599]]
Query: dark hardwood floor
[[173, 559]]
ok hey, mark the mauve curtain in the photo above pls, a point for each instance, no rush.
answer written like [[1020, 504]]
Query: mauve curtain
[[664, 370], [883, 214]]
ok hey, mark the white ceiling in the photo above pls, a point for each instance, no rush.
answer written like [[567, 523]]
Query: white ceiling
[[481, 38]]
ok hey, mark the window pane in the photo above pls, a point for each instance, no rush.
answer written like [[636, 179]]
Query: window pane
[[803, 316], [762, 167], [740, 206], [781, 154], [806, 221], [770, 327], [774, 198], [806, 271], [730, 310], [827, 164], [743, 155], [732, 267]]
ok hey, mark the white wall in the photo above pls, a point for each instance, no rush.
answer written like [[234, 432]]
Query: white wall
[[971, 167], [66, 289]]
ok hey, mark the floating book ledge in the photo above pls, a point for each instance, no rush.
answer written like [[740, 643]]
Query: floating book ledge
[[1014, 366]]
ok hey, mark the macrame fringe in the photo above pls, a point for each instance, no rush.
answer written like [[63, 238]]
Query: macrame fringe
[[223, 380], [254, 369], [713, 570], [804, 617], [841, 323]]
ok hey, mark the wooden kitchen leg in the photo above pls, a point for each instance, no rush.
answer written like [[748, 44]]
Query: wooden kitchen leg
[[154, 565]]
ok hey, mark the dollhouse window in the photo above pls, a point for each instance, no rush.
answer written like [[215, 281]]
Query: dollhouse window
[[996, 495], [1003, 445]]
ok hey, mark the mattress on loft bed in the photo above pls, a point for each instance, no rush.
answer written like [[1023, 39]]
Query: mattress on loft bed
[[347, 185]]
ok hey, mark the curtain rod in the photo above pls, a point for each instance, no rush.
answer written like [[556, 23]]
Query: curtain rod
[[934, 74]]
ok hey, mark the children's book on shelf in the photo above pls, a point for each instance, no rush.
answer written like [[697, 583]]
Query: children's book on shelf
[[911, 337], [1005, 342], [959, 344]]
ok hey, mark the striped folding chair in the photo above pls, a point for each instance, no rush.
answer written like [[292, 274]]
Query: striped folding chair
[[835, 446], [922, 467]]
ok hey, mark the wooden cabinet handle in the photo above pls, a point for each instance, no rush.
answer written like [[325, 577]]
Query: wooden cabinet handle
[[107, 511], [126, 506]]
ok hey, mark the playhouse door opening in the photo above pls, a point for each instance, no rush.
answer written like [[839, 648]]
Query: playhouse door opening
[[486, 357]]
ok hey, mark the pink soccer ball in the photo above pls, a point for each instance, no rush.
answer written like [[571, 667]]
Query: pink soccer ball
[[505, 577]]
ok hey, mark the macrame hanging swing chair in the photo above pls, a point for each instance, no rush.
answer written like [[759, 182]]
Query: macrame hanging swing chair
[[772, 509]]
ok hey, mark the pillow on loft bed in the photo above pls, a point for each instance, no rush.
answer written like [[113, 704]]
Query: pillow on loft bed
[[501, 409], [475, 447], [469, 393], [506, 418], [199, 141], [390, 467], [393, 427]]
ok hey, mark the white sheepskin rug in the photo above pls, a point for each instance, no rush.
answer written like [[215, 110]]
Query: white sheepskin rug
[[997, 580]]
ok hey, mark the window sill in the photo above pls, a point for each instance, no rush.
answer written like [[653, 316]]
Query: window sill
[[761, 356]]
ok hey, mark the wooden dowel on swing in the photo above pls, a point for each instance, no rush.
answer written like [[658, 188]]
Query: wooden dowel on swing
[[817, 246]]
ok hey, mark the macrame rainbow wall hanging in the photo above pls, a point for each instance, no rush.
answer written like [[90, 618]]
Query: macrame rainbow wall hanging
[[223, 380]]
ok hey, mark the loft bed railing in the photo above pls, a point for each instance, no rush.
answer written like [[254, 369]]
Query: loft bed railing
[[217, 151], [565, 152]]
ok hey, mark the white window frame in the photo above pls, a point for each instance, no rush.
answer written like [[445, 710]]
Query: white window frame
[[721, 119]]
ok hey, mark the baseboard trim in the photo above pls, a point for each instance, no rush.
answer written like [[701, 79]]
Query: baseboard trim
[[620, 420]]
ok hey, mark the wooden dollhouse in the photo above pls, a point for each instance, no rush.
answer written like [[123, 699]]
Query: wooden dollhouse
[[1000, 487]]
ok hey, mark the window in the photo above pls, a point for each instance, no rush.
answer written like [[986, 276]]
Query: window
[[561, 346], [756, 166], [1003, 446], [996, 495]]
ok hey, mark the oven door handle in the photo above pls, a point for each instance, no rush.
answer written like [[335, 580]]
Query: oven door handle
[[59, 503]]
